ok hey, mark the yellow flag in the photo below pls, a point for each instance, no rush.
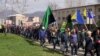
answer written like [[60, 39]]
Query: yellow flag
[[63, 26], [73, 16], [85, 12]]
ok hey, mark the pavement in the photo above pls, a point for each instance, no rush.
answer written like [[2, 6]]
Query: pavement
[[80, 51]]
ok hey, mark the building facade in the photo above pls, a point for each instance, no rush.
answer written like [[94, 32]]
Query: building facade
[[61, 14], [22, 20], [17, 19]]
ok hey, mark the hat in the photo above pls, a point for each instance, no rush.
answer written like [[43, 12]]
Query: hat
[[43, 27]]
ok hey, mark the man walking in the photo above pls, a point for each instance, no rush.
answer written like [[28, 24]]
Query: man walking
[[97, 42], [42, 35], [89, 44], [74, 42]]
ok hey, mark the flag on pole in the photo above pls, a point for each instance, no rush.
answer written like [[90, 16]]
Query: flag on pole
[[69, 22], [48, 18], [63, 26], [79, 19], [91, 15], [73, 16], [85, 13]]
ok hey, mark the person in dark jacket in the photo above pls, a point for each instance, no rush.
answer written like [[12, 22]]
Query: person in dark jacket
[[97, 42], [82, 35], [49, 36], [54, 37], [42, 35], [89, 47], [64, 41]]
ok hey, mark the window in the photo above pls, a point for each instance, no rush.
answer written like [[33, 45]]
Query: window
[[67, 12], [89, 9], [99, 9], [63, 18], [73, 10], [63, 11], [58, 13], [99, 17], [58, 18]]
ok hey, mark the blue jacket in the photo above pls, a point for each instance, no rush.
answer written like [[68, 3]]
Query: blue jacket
[[64, 37], [74, 39], [42, 33]]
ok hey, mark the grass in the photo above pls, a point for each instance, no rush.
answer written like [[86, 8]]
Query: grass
[[13, 45]]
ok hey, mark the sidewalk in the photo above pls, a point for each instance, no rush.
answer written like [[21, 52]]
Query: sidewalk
[[50, 46]]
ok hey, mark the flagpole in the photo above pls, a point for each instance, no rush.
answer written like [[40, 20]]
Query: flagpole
[[89, 24], [86, 27], [95, 23], [85, 24], [86, 19]]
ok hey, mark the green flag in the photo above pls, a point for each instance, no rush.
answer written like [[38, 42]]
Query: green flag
[[69, 22], [48, 18]]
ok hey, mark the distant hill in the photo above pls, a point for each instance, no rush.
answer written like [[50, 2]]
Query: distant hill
[[6, 13], [99, 1], [38, 14]]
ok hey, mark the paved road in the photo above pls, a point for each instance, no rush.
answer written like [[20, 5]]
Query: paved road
[[80, 51]]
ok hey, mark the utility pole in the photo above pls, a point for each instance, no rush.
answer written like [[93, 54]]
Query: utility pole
[[5, 9], [23, 7], [12, 6]]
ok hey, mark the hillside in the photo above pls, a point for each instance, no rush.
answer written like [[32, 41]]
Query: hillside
[[13, 45]]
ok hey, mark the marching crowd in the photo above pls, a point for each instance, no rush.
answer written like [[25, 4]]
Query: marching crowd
[[89, 41]]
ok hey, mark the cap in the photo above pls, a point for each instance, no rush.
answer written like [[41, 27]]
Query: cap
[[43, 27]]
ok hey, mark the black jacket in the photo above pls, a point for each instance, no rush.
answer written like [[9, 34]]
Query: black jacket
[[89, 44]]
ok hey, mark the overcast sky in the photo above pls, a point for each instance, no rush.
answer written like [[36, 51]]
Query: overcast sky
[[41, 5]]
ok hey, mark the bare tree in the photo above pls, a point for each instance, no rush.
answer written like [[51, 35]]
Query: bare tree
[[69, 3], [54, 6], [74, 3], [22, 5], [1, 5]]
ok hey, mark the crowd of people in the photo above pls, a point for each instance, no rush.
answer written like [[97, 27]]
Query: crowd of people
[[89, 41]]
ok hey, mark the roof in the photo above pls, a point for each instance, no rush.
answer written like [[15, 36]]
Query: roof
[[16, 15], [36, 14], [76, 7]]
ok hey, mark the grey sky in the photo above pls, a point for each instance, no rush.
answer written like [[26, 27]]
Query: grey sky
[[41, 5]]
